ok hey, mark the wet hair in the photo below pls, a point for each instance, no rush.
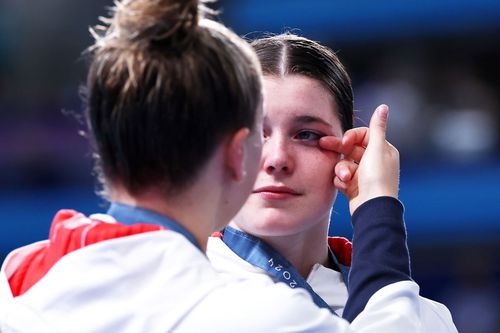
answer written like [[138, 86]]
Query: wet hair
[[164, 87], [287, 53]]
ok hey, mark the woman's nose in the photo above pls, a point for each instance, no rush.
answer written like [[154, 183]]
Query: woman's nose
[[277, 157]]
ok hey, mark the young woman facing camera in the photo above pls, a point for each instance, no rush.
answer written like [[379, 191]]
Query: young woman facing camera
[[281, 233]]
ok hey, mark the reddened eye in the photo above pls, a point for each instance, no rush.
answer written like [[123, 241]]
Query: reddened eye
[[308, 136]]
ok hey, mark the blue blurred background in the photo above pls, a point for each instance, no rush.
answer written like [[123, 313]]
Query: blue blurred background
[[435, 63]]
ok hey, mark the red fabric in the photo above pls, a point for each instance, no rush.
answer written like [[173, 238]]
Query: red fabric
[[70, 231], [217, 234], [342, 248]]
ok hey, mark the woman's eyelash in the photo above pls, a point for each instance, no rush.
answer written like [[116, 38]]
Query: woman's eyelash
[[308, 135]]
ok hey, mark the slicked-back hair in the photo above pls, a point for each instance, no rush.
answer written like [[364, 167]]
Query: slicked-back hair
[[287, 53]]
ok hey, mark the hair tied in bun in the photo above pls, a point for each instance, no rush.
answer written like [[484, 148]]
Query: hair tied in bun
[[152, 23]]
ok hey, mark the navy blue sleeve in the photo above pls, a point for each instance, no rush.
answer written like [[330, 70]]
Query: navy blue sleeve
[[379, 254]]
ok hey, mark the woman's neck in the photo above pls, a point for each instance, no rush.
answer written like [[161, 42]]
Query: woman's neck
[[303, 250], [185, 209]]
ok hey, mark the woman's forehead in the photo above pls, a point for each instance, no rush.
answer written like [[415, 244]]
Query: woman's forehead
[[298, 97]]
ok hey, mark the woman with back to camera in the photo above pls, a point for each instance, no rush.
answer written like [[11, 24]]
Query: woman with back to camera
[[172, 104], [281, 233]]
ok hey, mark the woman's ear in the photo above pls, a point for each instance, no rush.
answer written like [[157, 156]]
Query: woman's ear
[[235, 154]]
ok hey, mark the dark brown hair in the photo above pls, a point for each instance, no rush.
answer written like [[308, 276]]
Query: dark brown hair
[[165, 85], [290, 54]]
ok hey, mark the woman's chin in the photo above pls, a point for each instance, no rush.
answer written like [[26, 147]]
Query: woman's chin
[[275, 228]]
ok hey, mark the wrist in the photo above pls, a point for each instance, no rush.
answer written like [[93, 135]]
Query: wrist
[[367, 201], [376, 192]]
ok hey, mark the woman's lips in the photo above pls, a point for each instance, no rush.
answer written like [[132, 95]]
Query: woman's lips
[[276, 192]]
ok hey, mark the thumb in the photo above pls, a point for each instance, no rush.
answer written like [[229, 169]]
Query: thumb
[[378, 123]]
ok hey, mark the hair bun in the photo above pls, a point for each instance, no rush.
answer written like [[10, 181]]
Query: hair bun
[[156, 22]]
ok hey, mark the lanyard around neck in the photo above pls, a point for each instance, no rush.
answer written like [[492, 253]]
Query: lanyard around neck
[[129, 215], [260, 254]]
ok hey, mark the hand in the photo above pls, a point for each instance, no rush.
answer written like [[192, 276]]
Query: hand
[[370, 165]]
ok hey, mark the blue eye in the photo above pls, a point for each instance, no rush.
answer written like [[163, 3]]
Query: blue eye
[[308, 136]]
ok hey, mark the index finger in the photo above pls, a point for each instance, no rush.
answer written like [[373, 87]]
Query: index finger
[[332, 143]]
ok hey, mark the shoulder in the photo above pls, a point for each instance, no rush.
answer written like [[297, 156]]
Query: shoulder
[[151, 278], [230, 266], [253, 306], [160, 280]]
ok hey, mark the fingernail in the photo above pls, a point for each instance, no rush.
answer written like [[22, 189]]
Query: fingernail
[[383, 111]]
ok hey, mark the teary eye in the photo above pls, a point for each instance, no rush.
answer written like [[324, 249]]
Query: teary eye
[[308, 136]]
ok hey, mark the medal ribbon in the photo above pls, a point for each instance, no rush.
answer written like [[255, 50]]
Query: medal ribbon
[[260, 254]]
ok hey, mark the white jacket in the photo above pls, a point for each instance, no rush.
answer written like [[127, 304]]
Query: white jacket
[[329, 284], [158, 281]]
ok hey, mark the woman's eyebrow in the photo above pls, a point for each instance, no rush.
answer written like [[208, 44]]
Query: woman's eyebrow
[[309, 119]]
